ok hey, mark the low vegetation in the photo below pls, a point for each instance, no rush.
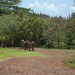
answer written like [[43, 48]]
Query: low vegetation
[[6, 53], [70, 61]]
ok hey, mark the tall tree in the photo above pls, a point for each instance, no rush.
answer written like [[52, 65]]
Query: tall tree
[[7, 5]]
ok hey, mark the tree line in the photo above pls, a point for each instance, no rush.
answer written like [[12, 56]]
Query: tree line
[[18, 23]]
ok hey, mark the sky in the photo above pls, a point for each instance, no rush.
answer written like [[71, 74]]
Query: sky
[[62, 8]]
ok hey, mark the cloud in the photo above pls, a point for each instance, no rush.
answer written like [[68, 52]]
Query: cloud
[[36, 4], [73, 8], [53, 9], [44, 6], [50, 7], [64, 6]]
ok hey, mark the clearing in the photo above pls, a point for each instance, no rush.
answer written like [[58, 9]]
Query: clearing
[[38, 65]]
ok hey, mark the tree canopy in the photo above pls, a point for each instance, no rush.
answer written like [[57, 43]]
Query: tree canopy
[[46, 31]]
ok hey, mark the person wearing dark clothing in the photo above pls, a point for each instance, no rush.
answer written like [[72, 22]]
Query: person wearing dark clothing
[[32, 45]]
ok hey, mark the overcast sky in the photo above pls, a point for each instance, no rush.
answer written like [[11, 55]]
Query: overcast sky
[[50, 7]]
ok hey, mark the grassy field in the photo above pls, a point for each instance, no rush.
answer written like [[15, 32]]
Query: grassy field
[[6, 53], [70, 61]]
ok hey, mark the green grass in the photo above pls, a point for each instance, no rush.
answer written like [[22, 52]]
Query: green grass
[[6, 53], [70, 61]]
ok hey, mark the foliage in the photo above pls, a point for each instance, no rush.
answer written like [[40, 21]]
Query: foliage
[[22, 23], [70, 61], [6, 6]]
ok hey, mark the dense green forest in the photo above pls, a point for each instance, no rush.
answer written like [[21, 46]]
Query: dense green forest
[[18, 23]]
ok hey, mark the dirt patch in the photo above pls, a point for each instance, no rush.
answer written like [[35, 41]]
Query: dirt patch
[[51, 65]]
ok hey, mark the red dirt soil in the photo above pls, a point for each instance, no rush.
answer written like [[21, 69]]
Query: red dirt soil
[[51, 65]]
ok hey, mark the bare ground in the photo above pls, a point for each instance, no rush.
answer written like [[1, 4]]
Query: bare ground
[[50, 65]]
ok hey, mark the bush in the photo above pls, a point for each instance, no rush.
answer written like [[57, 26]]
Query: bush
[[70, 62], [73, 42], [62, 45], [49, 44]]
